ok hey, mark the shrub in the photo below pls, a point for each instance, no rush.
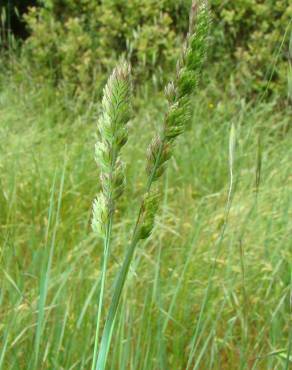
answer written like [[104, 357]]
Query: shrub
[[74, 40], [250, 33]]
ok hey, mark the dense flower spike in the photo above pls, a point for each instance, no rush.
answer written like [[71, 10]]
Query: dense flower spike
[[147, 215], [100, 215], [113, 135], [179, 92]]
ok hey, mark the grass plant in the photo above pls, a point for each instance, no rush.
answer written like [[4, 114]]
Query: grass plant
[[113, 136], [178, 116]]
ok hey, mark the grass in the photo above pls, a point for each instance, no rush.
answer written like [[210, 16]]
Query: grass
[[196, 297]]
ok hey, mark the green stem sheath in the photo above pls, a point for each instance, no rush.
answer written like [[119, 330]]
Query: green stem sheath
[[107, 241]]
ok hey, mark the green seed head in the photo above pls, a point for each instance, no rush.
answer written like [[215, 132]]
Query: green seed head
[[113, 134], [148, 212], [180, 91]]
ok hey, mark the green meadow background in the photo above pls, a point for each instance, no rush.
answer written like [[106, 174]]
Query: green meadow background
[[212, 287]]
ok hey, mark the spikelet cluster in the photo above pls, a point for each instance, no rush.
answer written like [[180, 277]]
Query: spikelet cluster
[[112, 136], [178, 94], [147, 214]]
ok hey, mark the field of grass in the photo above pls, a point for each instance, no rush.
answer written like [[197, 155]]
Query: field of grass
[[211, 288]]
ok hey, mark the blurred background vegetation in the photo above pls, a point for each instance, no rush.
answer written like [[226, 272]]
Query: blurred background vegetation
[[70, 41]]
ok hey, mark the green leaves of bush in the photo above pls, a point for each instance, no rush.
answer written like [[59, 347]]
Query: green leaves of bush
[[75, 42], [252, 37]]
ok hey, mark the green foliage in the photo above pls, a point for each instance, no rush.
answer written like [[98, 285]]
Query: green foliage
[[75, 42], [252, 35], [57, 50]]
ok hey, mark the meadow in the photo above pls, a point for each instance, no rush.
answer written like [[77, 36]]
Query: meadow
[[210, 289]]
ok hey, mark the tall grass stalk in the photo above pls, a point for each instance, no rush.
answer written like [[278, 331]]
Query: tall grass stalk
[[178, 116], [194, 342], [46, 269], [112, 136]]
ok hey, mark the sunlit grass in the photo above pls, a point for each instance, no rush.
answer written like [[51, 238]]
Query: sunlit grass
[[50, 259]]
